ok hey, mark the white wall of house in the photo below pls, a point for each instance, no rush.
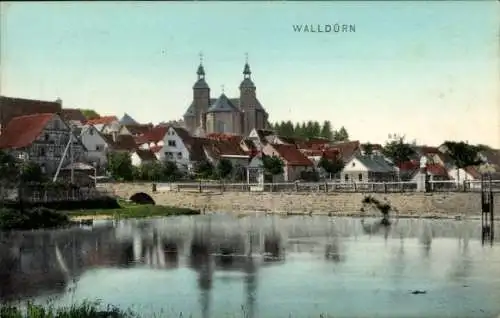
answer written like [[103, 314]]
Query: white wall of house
[[96, 145], [174, 150], [462, 175]]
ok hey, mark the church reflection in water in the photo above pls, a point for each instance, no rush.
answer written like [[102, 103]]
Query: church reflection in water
[[46, 262]]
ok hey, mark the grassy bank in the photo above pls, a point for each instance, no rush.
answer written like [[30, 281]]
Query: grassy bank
[[94, 310], [84, 310], [130, 210]]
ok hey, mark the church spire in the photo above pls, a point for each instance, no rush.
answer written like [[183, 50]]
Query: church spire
[[246, 69], [201, 69], [247, 81]]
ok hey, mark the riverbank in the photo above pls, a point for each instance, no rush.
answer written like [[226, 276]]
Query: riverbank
[[130, 211]]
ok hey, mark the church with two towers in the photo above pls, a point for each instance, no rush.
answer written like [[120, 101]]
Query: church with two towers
[[238, 116]]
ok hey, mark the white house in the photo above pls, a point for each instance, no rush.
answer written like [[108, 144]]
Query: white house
[[140, 156], [368, 169], [175, 145], [97, 146]]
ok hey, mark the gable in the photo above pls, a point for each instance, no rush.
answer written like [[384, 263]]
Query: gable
[[355, 165]]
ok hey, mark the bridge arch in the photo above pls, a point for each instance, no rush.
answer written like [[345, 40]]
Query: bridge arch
[[142, 198]]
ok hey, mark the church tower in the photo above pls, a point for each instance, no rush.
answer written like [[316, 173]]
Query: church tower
[[253, 113], [201, 97]]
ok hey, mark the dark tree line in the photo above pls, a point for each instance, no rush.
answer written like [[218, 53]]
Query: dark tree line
[[310, 129]]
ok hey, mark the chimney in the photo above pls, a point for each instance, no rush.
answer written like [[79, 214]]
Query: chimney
[[59, 101]]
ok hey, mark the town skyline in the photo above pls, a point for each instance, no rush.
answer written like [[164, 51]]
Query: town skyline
[[427, 74]]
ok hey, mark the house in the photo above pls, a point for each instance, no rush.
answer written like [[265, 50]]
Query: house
[[296, 163], [74, 116], [314, 144], [347, 149], [258, 137], [316, 155], [154, 138], [120, 143], [135, 129], [97, 146], [42, 138], [371, 168], [141, 156], [217, 149], [127, 120], [282, 140], [105, 124], [181, 148], [11, 107]]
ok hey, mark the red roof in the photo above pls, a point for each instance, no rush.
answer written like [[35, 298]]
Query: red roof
[[228, 147], [21, 131], [291, 155], [408, 165], [347, 149], [329, 154], [437, 170], [155, 135], [473, 171], [103, 120]]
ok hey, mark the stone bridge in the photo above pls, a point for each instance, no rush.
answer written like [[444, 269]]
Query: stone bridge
[[412, 204]]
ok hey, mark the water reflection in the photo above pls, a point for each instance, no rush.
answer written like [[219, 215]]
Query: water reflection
[[45, 262]]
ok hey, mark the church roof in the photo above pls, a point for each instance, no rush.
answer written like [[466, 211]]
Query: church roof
[[247, 83], [223, 104], [234, 101], [200, 83], [128, 120]]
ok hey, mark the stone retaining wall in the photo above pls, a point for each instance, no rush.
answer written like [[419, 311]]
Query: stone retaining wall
[[408, 204]]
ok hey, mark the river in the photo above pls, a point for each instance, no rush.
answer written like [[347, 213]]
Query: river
[[260, 266]]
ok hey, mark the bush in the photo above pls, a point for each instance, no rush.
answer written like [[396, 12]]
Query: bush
[[34, 218]]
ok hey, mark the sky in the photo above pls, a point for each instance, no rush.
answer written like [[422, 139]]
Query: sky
[[426, 70]]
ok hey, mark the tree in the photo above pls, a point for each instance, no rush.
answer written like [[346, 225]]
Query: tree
[[332, 166], [398, 151], [9, 168], [367, 148], [326, 130], [31, 172], [463, 155], [151, 171], [170, 171], [204, 169], [224, 168], [90, 114], [341, 135], [120, 166], [273, 165]]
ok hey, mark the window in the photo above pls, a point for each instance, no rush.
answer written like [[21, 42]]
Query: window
[[47, 137], [360, 176], [99, 147], [91, 131], [179, 155], [354, 164], [171, 143], [346, 177], [41, 152], [168, 155]]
